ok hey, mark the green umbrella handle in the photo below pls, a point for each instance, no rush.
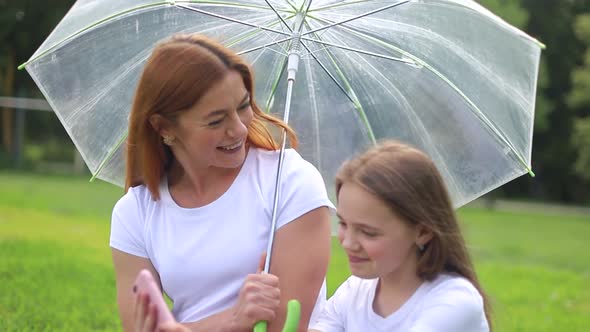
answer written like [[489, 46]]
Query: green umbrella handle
[[291, 322], [260, 326]]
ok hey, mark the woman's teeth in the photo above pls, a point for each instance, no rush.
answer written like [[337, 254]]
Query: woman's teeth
[[231, 147]]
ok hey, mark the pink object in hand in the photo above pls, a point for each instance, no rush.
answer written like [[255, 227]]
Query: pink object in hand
[[145, 283]]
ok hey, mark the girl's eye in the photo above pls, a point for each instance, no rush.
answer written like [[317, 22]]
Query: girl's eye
[[369, 234]]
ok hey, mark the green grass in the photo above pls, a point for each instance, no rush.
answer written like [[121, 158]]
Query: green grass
[[56, 273]]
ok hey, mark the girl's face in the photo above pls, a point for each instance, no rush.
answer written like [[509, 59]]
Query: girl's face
[[378, 243], [213, 132]]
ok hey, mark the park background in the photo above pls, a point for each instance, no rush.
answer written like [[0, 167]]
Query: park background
[[528, 238]]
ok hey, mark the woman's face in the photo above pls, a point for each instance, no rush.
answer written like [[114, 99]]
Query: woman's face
[[378, 243], [213, 132]]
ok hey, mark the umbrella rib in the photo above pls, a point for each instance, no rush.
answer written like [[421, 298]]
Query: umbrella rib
[[342, 4], [109, 155], [315, 112], [223, 3], [275, 86], [357, 17], [319, 41], [352, 98], [252, 34], [474, 107], [278, 15], [264, 46], [232, 19], [329, 74], [291, 5]]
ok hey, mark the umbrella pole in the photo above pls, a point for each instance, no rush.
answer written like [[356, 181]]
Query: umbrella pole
[[292, 66]]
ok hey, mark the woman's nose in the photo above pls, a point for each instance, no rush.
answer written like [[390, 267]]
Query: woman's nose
[[237, 127]]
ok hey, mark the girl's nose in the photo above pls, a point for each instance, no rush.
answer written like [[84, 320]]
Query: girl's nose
[[347, 241]]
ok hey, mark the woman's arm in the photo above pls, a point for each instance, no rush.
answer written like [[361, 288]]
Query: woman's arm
[[300, 258], [258, 299], [127, 267]]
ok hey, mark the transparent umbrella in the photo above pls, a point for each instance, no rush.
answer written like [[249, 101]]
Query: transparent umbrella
[[447, 76]]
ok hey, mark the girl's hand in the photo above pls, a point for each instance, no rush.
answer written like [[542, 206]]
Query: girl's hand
[[146, 317], [144, 313]]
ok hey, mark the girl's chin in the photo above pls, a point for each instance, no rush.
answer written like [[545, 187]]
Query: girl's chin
[[363, 274]]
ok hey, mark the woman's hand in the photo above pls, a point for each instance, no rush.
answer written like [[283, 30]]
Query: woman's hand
[[258, 300]]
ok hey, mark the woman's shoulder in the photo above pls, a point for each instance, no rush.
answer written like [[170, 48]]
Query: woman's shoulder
[[294, 165], [272, 156], [137, 197]]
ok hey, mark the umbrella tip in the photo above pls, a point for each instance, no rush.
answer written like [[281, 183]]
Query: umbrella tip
[[531, 173], [22, 66], [543, 46]]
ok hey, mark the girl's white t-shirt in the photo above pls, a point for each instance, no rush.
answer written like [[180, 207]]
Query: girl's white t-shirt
[[204, 254], [447, 304]]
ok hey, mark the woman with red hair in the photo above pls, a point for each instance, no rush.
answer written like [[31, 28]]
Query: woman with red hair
[[201, 169]]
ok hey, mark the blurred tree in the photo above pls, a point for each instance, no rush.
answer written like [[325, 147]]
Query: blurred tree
[[24, 25], [554, 154], [510, 11], [559, 160], [513, 12], [579, 100]]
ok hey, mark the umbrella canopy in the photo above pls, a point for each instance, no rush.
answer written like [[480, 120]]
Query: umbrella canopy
[[447, 76]]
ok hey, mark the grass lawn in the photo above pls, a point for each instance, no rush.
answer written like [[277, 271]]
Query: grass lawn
[[56, 273]]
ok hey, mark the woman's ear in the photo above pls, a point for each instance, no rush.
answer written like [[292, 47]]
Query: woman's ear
[[156, 122], [160, 125]]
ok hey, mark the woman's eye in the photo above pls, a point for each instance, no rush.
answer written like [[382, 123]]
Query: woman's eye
[[342, 224], [215, 123], [369, 234], [245, 106]]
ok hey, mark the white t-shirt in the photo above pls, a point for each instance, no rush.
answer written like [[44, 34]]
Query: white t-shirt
[[204, 254], [447, 304]]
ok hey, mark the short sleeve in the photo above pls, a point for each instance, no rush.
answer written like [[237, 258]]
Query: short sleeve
[[302, 189], [333, 316], [456, 308], [127, 227]]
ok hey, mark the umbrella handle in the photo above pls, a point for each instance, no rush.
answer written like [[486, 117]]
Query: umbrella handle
[[291, 321]]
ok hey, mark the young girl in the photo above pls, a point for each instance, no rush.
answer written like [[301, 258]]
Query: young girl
[[411, 270]]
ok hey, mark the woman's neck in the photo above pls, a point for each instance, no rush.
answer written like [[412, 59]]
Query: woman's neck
[[191, 188], [394, 290]]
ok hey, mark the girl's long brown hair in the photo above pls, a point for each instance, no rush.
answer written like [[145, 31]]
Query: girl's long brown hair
[[407, 180], [178, 73]]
